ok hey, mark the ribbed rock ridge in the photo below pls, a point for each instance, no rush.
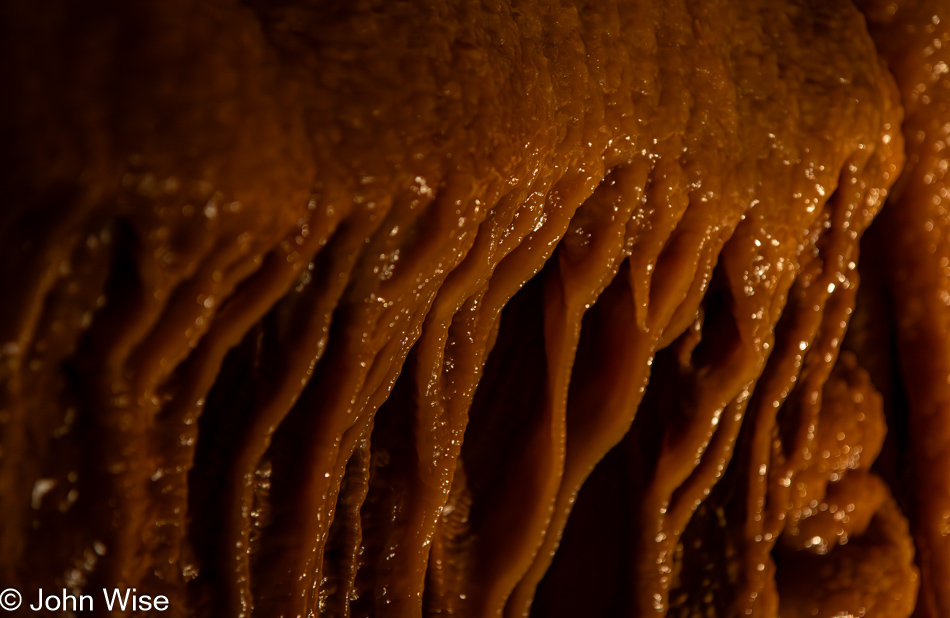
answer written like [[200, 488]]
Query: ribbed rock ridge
[[343, 309]]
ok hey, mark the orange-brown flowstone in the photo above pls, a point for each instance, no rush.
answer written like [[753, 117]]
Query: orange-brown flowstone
[[318, 308], [914, 38]]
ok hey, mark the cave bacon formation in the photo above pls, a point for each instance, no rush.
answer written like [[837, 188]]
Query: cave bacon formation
[[407, 309]]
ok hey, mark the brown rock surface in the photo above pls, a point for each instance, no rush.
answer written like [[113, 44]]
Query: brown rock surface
[[343, 309]]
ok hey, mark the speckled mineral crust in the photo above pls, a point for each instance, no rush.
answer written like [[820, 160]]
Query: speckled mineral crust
[[342, 309]]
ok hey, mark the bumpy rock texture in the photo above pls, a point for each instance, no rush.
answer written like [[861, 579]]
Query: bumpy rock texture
[[427, 308]]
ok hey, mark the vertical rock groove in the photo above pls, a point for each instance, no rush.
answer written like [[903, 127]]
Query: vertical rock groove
[[407, 309]]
